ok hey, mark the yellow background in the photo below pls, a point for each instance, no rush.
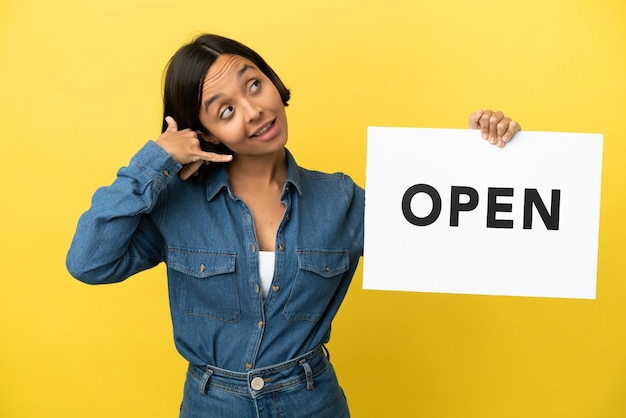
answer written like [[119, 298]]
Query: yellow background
[[80, 93]]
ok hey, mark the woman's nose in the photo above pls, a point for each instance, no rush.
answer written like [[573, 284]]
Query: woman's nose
[[253, 110]]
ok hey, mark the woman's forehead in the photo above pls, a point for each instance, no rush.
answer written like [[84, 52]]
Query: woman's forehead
[[226, 68]]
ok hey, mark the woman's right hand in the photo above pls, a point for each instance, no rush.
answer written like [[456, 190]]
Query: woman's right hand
[[184, 147], [495, 127]]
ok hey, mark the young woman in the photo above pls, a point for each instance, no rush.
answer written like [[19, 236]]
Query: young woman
[[259, 251]]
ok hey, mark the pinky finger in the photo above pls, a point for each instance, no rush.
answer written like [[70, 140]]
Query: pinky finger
[[513, 128], [190, 169]]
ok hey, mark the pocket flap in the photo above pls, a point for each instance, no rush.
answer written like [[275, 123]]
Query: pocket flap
[[200, 264], [326, 263]]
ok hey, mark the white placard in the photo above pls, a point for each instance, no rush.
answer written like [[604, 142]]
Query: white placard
[[447, 212]]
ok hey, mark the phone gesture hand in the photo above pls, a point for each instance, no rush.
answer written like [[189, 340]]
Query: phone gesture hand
[[184, 147]]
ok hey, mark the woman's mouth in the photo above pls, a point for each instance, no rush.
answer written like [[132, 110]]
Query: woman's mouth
[[264, 129]]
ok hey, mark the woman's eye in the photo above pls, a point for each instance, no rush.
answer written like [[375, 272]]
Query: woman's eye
[[226, 112], [255, 86]]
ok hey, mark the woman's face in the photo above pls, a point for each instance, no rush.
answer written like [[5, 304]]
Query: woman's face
[[242, 108]]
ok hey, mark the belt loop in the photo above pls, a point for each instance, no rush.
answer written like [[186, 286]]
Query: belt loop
[[204, 382], [326, 352], [309, 374]]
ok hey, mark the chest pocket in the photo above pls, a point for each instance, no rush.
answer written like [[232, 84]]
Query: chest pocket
[[207, 283], [318, 277]]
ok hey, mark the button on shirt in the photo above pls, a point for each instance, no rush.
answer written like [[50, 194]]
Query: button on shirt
[[206, 237]]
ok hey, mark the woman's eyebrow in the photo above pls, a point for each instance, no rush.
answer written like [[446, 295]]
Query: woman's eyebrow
[[243, 70], [210, 100], [213, 98]]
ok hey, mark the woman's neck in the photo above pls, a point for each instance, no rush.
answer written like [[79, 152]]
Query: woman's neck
[[250, 172]]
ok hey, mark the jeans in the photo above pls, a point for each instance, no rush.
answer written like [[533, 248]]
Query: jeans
[[305, 387]]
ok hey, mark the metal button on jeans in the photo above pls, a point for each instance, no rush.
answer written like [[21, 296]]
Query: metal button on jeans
[[257, 383]]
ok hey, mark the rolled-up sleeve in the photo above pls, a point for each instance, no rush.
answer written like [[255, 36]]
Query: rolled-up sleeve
[[116, 238]]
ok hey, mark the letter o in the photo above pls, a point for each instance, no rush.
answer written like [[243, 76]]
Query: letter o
[[408, 197]]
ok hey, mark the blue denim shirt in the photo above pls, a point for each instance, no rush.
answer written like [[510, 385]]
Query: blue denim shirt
[[206, 237]]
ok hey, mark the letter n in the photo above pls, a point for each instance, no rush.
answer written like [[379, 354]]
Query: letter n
[[550, 220]]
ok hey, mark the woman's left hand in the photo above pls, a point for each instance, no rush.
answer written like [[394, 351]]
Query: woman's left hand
[[494, 126]]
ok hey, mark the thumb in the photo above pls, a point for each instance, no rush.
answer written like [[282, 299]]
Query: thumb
[[172, 126], [474, 119]]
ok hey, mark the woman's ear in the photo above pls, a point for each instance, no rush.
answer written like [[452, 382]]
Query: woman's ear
[[208, 137]]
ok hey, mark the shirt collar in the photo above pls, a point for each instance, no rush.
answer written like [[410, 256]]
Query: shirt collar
[[219, 179]]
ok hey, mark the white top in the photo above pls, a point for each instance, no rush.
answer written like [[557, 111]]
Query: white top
[[266, 271]]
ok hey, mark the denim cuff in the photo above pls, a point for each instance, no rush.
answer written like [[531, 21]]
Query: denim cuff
[[157, 163]]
